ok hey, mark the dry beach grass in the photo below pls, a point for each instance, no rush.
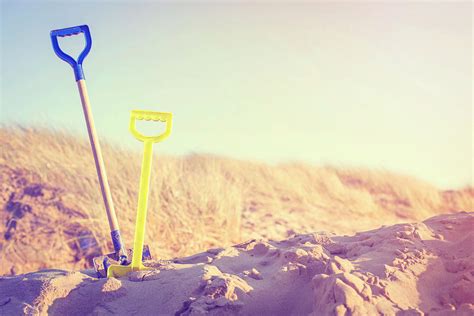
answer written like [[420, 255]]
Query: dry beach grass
[[51, 213]]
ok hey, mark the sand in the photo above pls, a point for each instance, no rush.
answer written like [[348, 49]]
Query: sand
[[404, 269]]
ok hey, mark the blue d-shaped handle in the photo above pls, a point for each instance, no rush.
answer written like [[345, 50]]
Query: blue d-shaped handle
[[76, 65]]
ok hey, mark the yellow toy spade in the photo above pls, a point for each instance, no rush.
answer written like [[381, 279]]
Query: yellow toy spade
[[136, 265]]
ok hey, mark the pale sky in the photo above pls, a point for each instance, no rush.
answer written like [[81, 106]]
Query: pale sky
[[378, 85]]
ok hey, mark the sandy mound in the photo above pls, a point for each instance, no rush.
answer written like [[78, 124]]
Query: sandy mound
[[408, 268]]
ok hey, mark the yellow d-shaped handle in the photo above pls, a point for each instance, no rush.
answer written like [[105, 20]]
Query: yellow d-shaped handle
[[153, 116]]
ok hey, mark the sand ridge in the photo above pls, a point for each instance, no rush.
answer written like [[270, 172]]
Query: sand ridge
[[411, 269]]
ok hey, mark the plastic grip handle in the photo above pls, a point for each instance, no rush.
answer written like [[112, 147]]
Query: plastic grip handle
[[165, 117], [76, 65], [68, 31]]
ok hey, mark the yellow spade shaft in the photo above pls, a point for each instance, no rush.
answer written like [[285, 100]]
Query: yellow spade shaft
[[142, 205]]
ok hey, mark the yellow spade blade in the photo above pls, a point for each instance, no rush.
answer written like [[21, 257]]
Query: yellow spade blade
[[118, 271]]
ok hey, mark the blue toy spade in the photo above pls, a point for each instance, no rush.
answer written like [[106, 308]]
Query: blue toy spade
[[120, 255]]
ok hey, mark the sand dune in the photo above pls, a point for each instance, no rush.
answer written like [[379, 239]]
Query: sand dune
[[236, 237], [404, 269], [51, 212]]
